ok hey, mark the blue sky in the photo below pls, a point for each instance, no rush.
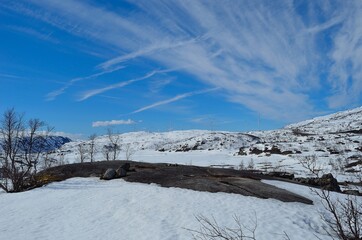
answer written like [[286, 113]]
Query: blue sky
[[157, 65]]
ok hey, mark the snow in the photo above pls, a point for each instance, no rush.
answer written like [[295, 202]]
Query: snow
[[88, 208]]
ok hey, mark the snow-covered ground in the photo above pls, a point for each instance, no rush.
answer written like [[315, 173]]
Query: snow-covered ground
[[88, 208], [92, 209], [333, 140]]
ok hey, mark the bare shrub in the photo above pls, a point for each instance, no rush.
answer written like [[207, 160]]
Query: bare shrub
[[210, 229], [344, 216], [310, 163]]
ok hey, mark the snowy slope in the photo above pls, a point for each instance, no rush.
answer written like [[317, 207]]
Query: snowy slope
[[333, 123], [334, 140], [93, 209]]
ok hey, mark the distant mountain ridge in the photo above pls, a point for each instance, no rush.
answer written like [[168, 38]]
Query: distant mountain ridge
[[337, 122]]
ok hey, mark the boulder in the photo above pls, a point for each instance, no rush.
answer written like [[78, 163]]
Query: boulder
[[328, 182], [242, 152], [109, 174], [121, 172], [126, 166]]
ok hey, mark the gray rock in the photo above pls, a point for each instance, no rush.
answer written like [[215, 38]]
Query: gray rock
[[352, 192], [126, 166], [328, 182], [109, 174], [121, 172]]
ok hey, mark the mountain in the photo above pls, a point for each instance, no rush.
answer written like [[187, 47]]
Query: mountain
[[345, 121], [335, 141]]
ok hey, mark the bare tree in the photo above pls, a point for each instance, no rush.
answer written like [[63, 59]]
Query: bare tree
[[129, 151], [251, 164], [106, 151], [82, 151], [21, 147], [310, 163], [92, 146], [114, 145]]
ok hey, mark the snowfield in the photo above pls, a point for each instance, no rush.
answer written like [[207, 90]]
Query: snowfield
[[88, 208]]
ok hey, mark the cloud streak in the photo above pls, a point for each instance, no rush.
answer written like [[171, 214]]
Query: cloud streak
[[94, 92], [112, 123], [174, 99], [54, 94], [269, 56]]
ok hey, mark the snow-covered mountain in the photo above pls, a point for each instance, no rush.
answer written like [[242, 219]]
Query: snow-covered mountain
[[47, 144], [345, 121], [334, 140]]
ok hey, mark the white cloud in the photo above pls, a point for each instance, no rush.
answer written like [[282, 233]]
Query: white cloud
[[54, 94], [265, 55], [112, 123], [174, 99], [93, 92]]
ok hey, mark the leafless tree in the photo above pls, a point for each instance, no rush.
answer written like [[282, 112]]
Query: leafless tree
[[251, 164], [92, 146], [48, 160], [129, 151], [106, 151], [310, 163], [114, 145], [82, 152], [21, 147]]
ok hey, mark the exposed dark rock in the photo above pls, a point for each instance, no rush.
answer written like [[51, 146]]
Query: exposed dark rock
[[109, 174], [333, 151], [274, 150], [191, 177], [126, 166], [242, 152], [282, 175], [352, 192], [184, 148], [121, 172], [328, 182], [255, 151], [287, 152]]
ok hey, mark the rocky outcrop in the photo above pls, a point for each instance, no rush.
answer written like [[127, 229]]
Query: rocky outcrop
[[326, 182], [109, 174]]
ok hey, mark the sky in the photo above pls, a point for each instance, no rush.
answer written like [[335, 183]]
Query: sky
[[159, 65]]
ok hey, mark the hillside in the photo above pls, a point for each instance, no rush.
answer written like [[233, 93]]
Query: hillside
[[334, 141]]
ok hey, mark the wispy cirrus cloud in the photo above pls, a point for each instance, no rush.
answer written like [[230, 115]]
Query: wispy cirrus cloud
[[54, 94], [112, 123], [45, 36], [93, 92], [270, 56], [174, 99]]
